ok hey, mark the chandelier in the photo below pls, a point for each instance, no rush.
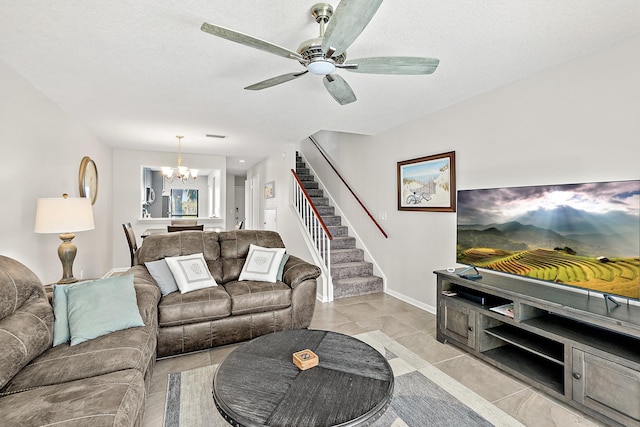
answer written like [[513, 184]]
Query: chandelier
[[180, 172]]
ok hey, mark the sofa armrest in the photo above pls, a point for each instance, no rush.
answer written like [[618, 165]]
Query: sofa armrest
[[297, 271], [147, 293]]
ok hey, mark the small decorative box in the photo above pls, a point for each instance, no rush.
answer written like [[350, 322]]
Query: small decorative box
[[305, 359]]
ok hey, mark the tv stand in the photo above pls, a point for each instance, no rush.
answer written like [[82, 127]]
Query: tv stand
[[558, 340]]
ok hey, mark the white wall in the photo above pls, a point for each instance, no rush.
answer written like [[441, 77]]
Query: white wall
[[231, 202], [574, 123], [41, 151], [126, 186], [277, 168]]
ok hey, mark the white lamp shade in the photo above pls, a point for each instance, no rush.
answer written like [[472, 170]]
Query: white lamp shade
[[167, 171], [60, 215]]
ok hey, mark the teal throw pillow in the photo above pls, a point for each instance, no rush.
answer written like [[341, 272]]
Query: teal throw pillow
[[61, 332], [285, 258], [100, 307]]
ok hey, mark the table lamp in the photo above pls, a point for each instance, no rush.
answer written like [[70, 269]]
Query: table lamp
[[64, 215]]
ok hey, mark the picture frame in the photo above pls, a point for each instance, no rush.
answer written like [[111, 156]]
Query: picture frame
[[428, 183], [270, 190]]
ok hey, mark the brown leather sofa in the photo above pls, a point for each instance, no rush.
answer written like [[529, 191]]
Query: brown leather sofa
[[101, 382], [104, 381], [234, 311]]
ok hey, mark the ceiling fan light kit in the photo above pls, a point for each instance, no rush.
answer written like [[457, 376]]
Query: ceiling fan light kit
[[321, 67], [324, 54]]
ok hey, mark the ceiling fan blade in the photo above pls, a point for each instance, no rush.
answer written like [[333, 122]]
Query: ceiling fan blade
[[348, 21], [339, 89], [407, 65], [250, 41], [275, 81]]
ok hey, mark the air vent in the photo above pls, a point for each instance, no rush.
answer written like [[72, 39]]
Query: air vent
[[211, 135]]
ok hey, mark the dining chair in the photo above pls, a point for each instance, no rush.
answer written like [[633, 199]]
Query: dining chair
[[184, 222], [172, 228], [131, 239]]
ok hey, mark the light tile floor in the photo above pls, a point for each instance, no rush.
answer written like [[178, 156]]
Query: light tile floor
[[415, 329]]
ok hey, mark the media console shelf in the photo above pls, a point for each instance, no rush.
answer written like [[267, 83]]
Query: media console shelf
[[561, 341]]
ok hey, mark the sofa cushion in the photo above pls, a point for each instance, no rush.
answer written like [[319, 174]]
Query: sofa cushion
[[280, 274], [61, 332], [193, 307], [262, 264], [163, 276], [114, 399], [234, 247], [181, 243], [257, 296], [191, 272], [26, 318], [100, 307], [126, 349]]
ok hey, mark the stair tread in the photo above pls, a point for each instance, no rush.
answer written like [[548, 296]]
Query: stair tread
[[344, 250], [358, 279], [350, 264]]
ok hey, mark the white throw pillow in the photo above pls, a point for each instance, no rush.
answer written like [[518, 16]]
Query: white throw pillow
[[262, 264], [191, 272]]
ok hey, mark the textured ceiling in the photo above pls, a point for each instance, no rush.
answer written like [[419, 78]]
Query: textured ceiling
[[137, 73]]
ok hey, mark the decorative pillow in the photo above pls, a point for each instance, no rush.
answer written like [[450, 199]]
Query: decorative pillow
[[61, 332], [190, 272], [285, 258], [100, 307], [262, 264], [163, 276]]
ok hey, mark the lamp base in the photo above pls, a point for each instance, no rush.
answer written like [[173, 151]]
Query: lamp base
[[67, 253]]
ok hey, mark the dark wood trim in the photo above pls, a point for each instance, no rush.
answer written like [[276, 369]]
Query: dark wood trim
[[348, 187]]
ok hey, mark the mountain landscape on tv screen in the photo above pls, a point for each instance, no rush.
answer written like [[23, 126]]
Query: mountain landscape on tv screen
[[585, 235]]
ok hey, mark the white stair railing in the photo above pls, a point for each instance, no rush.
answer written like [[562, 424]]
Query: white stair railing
[[317, 230]]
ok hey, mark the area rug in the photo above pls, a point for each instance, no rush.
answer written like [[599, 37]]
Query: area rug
[[423, 395]]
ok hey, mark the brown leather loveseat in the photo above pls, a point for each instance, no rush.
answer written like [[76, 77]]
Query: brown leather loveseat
[[234, 310]]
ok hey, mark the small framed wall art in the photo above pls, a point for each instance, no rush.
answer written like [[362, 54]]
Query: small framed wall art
[[428, 183], [270, 190]]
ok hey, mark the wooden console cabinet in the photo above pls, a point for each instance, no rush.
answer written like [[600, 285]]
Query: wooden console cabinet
[[563, 342]]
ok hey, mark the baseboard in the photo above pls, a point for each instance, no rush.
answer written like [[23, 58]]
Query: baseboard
[[411, 301]]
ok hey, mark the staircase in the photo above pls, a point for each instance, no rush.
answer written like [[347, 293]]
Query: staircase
[[350, 273]]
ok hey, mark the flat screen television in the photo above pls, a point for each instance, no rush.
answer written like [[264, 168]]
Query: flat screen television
[[580, 235]]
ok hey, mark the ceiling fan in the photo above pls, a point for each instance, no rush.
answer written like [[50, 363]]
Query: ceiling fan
[[322, 55]]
